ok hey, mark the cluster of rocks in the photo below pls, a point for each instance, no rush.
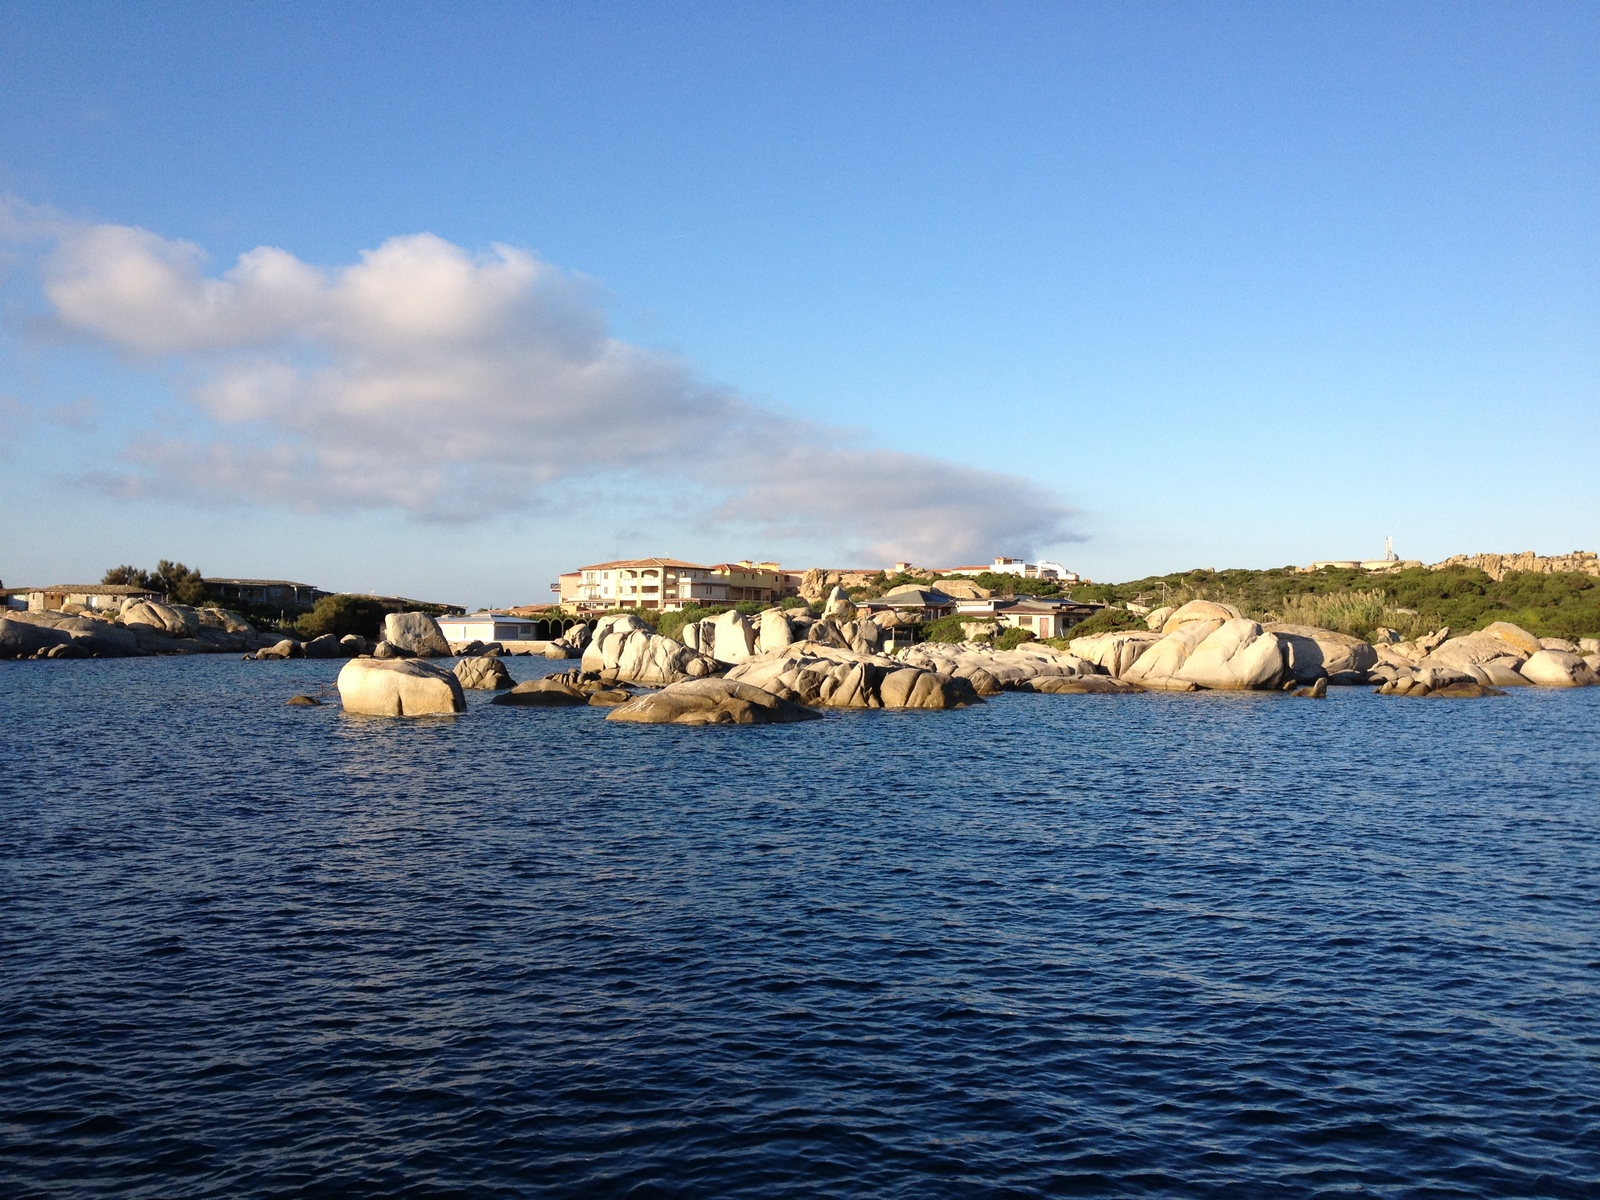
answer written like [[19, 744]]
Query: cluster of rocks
[[416, 635], [1498, 566], [781, 666], [140, 627], [1205, 645], [1500, 655]]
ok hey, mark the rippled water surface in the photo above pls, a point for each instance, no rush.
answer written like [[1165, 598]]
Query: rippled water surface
[[1171, 945]]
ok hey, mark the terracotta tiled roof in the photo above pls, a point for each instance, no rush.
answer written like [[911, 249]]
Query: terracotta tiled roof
[[641, 562]]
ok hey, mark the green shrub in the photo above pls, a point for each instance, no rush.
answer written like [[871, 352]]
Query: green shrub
[[342, 614], [945, 629], [1012, 637], [1107, 620]]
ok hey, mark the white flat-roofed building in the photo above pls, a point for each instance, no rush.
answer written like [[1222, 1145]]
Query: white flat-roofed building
[[1042, 569], [489, 627]]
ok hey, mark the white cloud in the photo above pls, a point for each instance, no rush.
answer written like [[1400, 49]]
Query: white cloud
[[454, 385]]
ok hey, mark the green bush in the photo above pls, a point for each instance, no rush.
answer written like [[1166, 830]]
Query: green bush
[[945, 629], [1107, 620], [342, 614], [1012, 637]]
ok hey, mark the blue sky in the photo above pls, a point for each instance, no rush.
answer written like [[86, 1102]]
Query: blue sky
[[1140, 287]]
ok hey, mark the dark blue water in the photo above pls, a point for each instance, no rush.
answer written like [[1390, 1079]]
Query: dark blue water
[[1067, 945]]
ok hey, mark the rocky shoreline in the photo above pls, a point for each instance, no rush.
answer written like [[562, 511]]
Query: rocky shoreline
[[783, 666]]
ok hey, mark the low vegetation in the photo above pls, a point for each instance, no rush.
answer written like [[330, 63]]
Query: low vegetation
[[1012, 637], [342, 614], [1355, 602], [1107, 620]]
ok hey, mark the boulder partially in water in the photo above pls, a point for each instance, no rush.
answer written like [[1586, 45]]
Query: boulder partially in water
[[987, 668], [1237, 656], [710, 702], [1557, 668], [1081, 685], [403, 687], [542, 693], [486, 673], [810, 673], [1313, 653]]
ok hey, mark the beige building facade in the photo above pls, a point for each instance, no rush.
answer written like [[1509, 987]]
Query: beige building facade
[[669, 584]]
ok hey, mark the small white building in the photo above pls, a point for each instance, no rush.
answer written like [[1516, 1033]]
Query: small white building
[[489, 627], [1021, 567]]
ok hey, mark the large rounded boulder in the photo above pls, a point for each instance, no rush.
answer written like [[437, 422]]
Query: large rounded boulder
[[1557, 668], [416, 633], [401, 687]]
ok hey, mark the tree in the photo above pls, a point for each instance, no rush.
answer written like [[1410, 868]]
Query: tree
[[343, 614], [180, 583], [130, 577]]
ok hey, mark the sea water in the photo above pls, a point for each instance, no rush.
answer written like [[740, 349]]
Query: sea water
[[1187, 945]]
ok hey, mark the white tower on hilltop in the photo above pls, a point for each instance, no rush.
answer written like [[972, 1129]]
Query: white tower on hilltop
[[1388, 549]]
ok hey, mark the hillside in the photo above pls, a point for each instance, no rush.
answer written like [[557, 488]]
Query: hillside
[[1353, 601]]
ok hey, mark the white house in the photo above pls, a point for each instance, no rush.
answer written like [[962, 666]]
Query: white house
[[1017, 566], [488, 627]]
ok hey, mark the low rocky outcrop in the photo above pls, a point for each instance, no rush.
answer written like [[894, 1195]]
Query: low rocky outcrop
[[377, 687], [416, 633], [982, 665], [287, 648], [543, 693], [624, 649], [1498, 566], [1079, 685], [353, 645], [815, 675], [326, 646], [710, 702], [484, 673]]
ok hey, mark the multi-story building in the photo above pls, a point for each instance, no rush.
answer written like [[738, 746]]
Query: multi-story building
[[669, 584]]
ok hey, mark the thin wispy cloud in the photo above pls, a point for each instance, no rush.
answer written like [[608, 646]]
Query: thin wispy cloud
[[456, 385]]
